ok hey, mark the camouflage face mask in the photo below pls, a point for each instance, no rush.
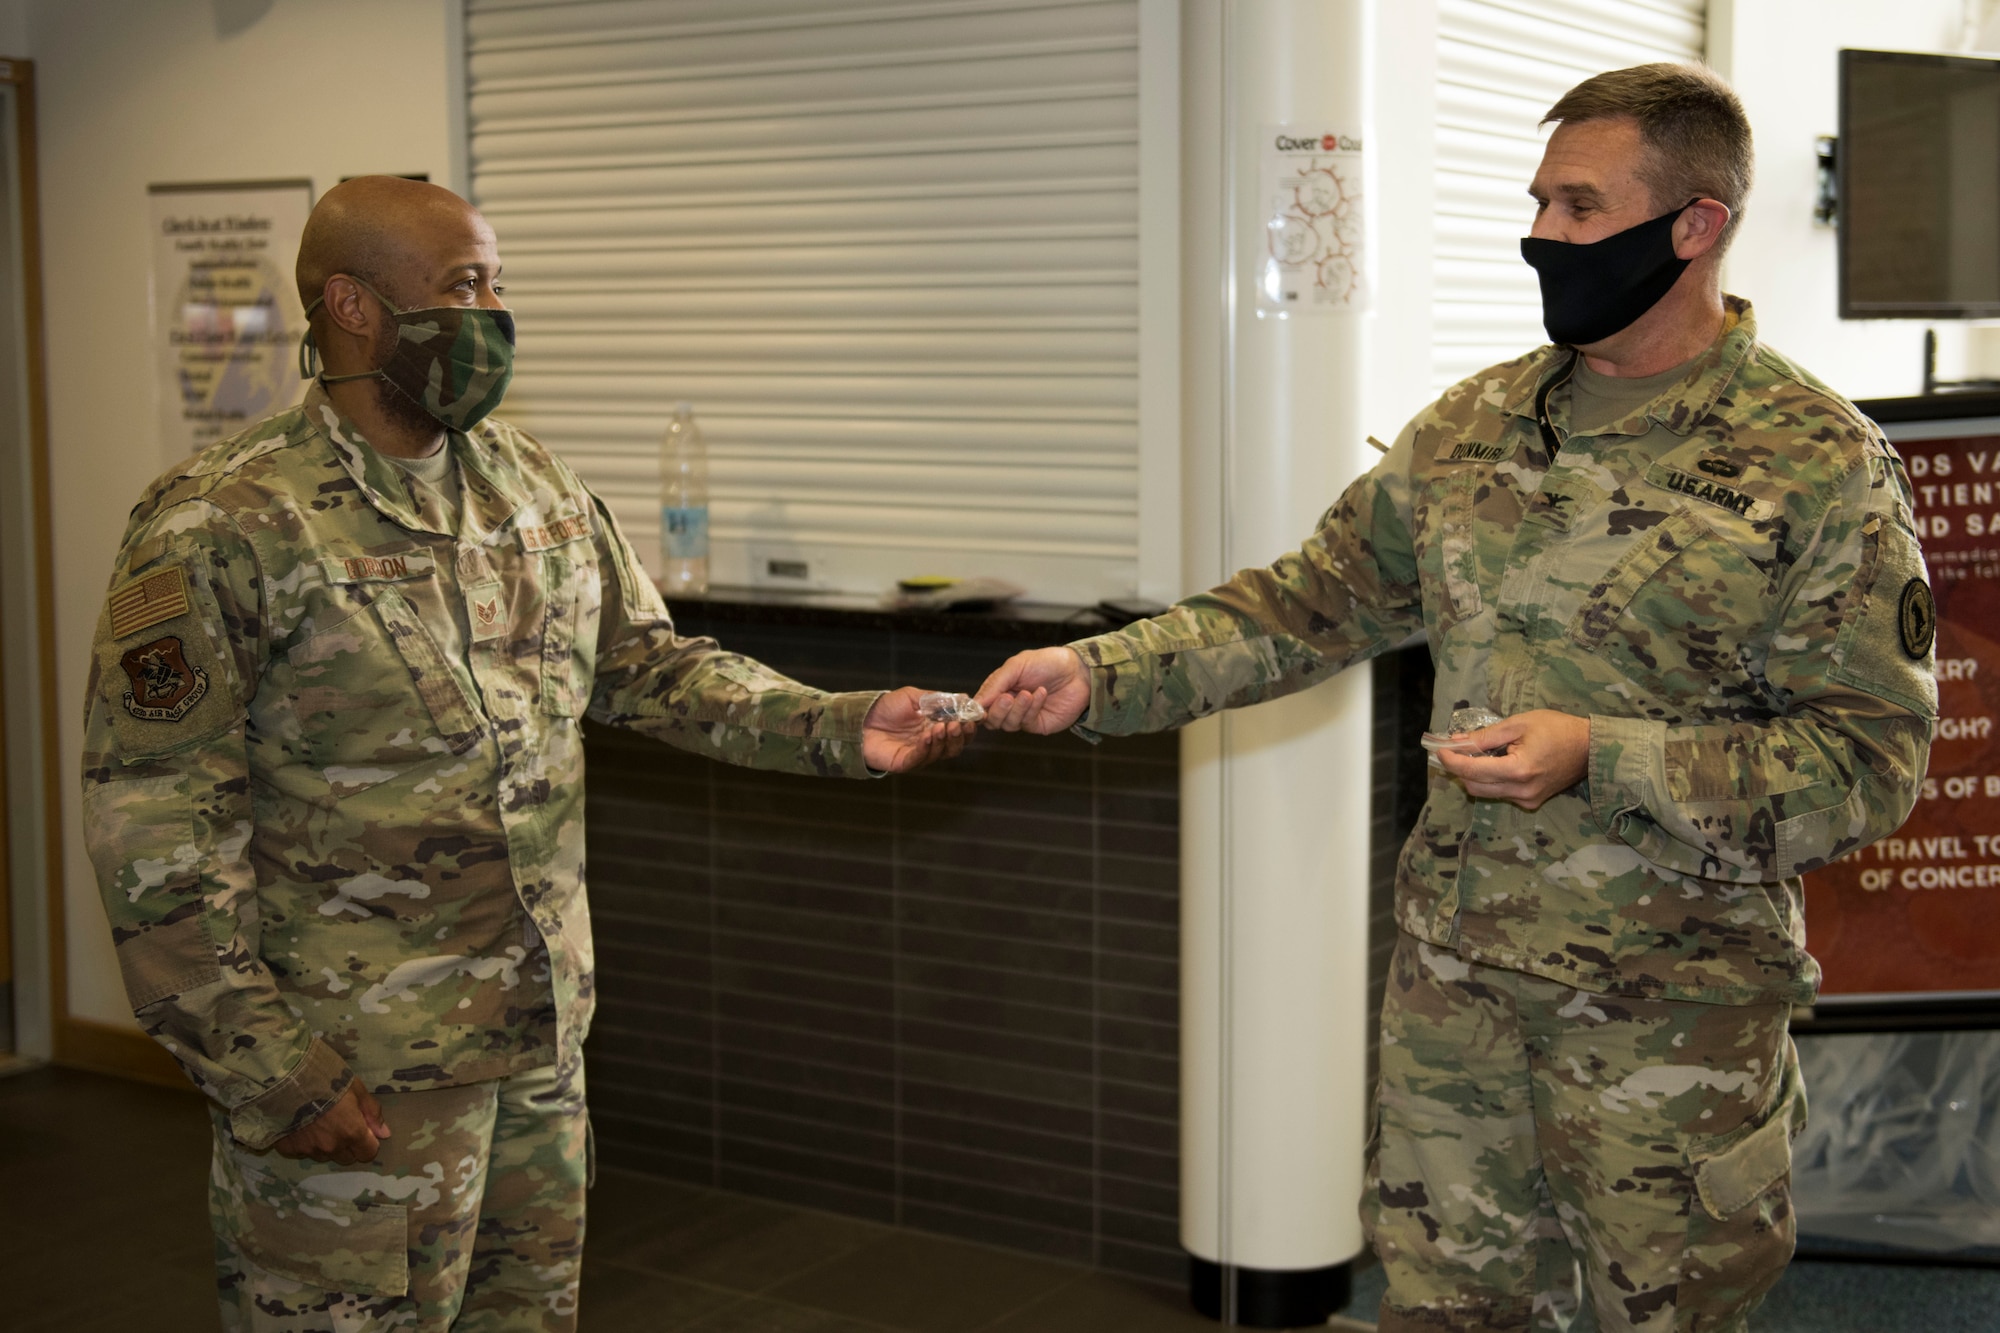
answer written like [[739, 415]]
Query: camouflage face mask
[[453, 361]]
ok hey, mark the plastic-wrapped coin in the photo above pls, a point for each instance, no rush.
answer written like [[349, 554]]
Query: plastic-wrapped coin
[[950, 708], [1463, 722], [1473, 719]]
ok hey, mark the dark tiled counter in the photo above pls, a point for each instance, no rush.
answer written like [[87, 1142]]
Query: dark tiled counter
[[947, 1000], [1016, 624]]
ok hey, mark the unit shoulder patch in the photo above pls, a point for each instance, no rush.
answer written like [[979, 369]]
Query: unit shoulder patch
[[147, 600], [164, 685]]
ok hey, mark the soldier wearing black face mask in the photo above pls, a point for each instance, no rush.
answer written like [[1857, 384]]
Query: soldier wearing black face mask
[[1594, 290], [1683, 573]]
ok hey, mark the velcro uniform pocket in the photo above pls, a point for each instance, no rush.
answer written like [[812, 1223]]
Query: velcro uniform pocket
[[328, 1243], [1731, 1172]]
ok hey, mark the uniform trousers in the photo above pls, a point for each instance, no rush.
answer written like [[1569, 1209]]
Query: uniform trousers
[[1535, 1142], [470, 1218]]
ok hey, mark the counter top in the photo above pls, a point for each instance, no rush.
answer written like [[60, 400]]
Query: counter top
[[1951, 406], [1036, 622]]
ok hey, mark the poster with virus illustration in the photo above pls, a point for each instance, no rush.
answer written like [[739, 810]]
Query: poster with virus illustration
[[1313, 234], [225, 310]]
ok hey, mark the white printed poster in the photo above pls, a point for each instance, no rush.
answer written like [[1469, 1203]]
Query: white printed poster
[[1311, 195], [226, 312]]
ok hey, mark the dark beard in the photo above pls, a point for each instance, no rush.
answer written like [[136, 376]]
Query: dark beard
[[402, 410]]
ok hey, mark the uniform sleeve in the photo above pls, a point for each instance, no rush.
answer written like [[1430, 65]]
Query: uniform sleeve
[[1852, 670], [167, 818], [1349, 593], [693, 695]]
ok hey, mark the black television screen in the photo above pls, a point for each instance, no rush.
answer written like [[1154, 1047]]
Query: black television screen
[[1919, 180]]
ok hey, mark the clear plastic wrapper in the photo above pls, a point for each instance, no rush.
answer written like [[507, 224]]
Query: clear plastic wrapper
[[1463, 721], [939, 707], [1902, 1147]]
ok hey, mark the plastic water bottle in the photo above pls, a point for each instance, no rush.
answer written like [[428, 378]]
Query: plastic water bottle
[[683, 507]]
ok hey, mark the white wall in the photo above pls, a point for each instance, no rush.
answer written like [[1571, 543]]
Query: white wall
[[1402, 187], [1780, 54], [138, 91]]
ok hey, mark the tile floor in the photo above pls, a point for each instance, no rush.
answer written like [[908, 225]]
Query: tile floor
[[103, 1227]]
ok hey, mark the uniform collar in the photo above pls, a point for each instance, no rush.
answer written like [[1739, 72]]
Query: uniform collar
[[1682, 405], [490, 495]]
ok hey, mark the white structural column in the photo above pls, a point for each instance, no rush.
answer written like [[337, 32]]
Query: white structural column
[[1275, 798]]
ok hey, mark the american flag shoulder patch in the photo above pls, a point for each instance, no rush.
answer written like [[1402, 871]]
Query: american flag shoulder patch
[[147, 600]]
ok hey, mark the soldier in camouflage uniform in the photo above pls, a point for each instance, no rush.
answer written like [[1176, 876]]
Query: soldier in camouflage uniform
[[1686, 576], [333, 789]]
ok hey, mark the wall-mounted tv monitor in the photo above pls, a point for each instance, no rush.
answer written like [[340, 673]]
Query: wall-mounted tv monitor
[[1919, 181]]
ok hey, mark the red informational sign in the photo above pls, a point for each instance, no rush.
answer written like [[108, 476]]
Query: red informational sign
[[1917, 914]]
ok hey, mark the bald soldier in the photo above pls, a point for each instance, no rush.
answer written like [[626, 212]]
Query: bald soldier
[[1686, 576], [333, 790]]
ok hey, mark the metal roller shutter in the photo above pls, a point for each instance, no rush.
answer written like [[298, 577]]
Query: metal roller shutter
[[888, 250], [1501, 65]]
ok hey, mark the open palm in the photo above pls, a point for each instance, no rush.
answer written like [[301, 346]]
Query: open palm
[[896, 738]]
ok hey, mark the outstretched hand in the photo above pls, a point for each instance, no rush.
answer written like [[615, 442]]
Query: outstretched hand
[[1041, 691], [895, 737], [1546, 752]]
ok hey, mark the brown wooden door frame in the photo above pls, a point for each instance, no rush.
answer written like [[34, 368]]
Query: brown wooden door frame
[[80, 1042], [20, 74]]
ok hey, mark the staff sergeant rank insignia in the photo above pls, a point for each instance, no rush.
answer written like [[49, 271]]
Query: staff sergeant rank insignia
[[164, 686]]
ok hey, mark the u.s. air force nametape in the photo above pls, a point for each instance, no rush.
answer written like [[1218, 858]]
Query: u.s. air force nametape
[[148, 600], [555, 533]]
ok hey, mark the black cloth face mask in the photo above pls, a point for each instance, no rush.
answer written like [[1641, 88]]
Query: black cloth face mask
[[1594, 289]]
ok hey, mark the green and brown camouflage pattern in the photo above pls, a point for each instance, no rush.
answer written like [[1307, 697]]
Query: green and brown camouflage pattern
[[463, 357], [470, 1218], [355, 852], [1537, 1143], [453, 361], [1713, 581]]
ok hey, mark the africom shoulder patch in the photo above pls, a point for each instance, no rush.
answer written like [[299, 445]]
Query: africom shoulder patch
[[164, 684], [1916, 616]]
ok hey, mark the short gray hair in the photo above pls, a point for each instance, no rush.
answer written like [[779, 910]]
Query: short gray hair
[[1692, 124]]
